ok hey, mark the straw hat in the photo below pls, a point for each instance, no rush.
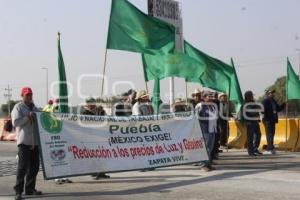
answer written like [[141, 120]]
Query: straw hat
[[196, 91], [178, 100], [141, 94], [221, 95]]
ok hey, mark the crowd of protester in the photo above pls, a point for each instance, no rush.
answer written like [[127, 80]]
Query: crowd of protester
[[212, 109]]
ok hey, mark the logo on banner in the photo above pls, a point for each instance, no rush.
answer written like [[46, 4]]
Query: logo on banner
[[50, 123], [58, 155]]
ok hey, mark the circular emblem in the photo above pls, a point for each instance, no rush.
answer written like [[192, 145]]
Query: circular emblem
[[50, 123]]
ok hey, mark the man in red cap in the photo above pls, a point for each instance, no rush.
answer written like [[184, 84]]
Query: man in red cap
[[28, 152]]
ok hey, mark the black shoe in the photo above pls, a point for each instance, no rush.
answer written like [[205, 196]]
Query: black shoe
[[101, 176], [216, 158], [18, 197], [34, 192], [258, 152], [208, 168]]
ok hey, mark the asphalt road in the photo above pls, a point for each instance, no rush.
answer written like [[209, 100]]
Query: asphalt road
[[237, 177]]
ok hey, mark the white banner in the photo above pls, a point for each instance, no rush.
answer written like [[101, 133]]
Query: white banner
[[74, 145]]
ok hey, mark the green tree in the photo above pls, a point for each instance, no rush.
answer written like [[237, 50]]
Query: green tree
[[280, 87], [4, 107]]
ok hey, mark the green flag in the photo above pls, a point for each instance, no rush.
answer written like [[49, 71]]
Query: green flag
[[213, 75], [132, 30], [235, 94], [63, 87], [218, 75], [293, 83], [156, 96], [171, 65]]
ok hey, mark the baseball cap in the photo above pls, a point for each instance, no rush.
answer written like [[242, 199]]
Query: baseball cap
[[26, 90]]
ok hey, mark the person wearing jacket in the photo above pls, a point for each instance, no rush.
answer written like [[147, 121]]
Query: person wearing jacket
[[270, 119], [143, 105], [252, 119], [208, 115], [28, 152], [91, 109]]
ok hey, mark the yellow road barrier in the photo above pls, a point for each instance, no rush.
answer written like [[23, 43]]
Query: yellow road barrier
[[238, 135], [297, 146]]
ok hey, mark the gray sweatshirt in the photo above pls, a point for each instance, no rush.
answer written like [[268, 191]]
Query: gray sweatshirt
[[24, 127]]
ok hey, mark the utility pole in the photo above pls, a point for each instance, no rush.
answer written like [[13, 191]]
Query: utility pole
[[8, 95]]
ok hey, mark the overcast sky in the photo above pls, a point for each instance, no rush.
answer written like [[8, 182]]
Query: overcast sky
[[258, 34]]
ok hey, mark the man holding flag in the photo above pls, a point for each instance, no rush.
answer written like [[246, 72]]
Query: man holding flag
[[270, 119]]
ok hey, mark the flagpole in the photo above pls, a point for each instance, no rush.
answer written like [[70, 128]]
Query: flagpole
[[286, 126], [227, 124], [186, 93], [146, 87], [286, 108], [103, 73]]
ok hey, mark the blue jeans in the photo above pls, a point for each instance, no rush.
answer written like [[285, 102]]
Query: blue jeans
[[253, 136], [210, 144], [270, 134]]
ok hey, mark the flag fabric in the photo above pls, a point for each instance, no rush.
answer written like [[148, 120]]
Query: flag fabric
[[171, 65], [132, 30], [213, 75], [156, 96], [293, 83], [235, 94], [195, 66], [63, 87], [217, 75]]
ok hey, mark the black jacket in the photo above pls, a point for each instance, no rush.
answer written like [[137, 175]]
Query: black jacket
[[271, 108]]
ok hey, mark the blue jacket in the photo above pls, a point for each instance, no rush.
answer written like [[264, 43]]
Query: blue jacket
[[208, 123], [271, 108]]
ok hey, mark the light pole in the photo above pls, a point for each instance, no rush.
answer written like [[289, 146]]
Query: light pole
[[46, 69], [299, 61]]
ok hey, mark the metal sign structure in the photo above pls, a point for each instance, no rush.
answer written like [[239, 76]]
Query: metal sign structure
[[170, 12]]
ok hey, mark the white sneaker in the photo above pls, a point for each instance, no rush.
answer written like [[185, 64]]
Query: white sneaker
[[58, 181], [268, 153]]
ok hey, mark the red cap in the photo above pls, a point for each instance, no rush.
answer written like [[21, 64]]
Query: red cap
[[50, 102], [26, 90]]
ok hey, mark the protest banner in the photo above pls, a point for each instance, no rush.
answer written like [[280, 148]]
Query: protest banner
[[75, 145]]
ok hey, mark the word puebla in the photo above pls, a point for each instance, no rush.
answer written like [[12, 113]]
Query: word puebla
[[133, 129]]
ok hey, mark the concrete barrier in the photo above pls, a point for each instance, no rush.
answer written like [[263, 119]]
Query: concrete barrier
[[238, 135], [297, 146]]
